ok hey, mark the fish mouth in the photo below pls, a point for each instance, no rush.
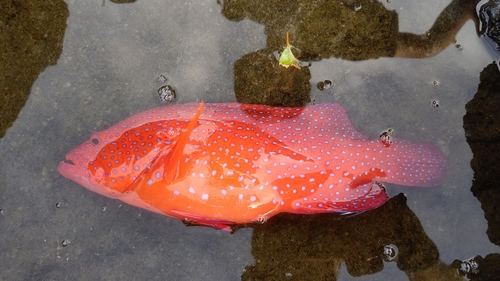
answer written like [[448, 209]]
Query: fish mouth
[[68, 161], [66, 167]]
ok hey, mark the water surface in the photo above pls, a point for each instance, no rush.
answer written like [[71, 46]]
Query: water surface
[[112, 56]]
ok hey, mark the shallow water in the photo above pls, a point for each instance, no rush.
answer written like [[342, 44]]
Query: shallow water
[[112, 57]]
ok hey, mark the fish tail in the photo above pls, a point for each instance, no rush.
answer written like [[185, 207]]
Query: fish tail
[[414, 164]]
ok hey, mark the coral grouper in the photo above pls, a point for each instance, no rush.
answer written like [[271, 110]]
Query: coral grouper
[[224, 163]]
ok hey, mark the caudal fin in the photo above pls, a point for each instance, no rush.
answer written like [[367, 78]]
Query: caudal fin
[[414, 164]]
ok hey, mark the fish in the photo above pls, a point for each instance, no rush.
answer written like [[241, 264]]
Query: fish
[[221, 164]]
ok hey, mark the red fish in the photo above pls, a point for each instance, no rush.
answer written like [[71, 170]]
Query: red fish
[[225, 163]]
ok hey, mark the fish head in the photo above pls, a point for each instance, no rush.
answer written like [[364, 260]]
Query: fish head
[[78, 166], [111, 161]]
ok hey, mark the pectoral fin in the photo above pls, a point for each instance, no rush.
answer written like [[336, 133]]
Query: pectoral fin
[[192, 220]]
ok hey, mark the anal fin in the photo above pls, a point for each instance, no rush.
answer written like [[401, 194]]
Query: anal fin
[[350, 202]]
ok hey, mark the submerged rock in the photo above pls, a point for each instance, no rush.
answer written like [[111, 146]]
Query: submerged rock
[[259, 79]]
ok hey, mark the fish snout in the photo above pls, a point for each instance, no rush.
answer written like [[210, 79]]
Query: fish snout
[[65, 165]]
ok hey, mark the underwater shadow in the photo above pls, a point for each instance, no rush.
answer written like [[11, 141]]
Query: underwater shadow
[[32, 37], [359, 30], [313, 247]]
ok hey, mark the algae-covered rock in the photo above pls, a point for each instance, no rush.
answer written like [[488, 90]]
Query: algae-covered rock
[[259, 78]]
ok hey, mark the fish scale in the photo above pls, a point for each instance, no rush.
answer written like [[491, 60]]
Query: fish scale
[[224, 163]]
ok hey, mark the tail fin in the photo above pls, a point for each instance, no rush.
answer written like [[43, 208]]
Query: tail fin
[[414, 164]]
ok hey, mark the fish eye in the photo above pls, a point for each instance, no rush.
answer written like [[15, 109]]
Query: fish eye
[[95, 141]]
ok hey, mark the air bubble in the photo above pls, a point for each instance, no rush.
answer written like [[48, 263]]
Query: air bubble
[[469, 266], [324, 85], [435, 103], [166, 93], [386, 137], [162, 78], [58, 205], [390, 252]]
